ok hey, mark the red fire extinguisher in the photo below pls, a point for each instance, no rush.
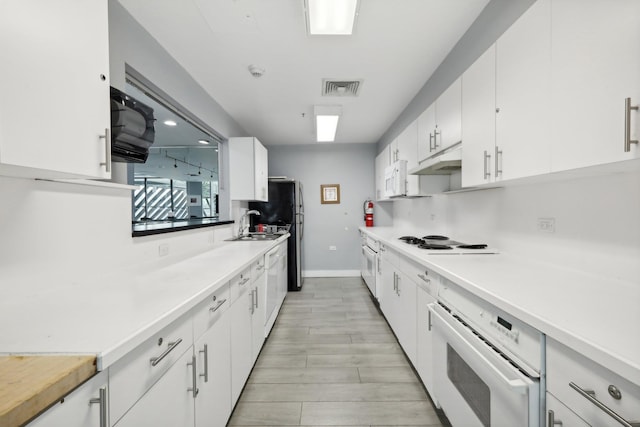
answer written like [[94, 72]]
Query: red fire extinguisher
[[368, 213]]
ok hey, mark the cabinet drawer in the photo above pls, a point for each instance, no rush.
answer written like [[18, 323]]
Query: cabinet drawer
[[134, 374], [565, 366], [209, 311], [240, 284], [424, 278], [389, 255], [257, 268]]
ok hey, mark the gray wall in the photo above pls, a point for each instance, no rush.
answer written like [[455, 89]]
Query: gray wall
[[494, 20], [326, 225]]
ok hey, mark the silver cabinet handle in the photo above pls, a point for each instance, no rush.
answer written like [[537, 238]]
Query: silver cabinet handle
[[217, 306], [398, 285], [429, 322], [155, 360], [424, 278], [552, 420], [194, 377], [487, 159], [253, 304], [498, 160], [627, 124], [378, 265], [107, 145], [205, 351], [590, 396], [260, 267], [431, 147], [256, 299], [245, 280], [435, 138], [102, 400]]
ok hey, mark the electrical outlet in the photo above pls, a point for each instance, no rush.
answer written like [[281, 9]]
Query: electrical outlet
[[332, 248], [547, 225], [163, 249]]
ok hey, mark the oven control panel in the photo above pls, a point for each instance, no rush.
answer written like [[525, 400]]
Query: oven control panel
[[513, 337]]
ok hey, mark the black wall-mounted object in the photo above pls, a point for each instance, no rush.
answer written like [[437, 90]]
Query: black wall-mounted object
[[132, 131]]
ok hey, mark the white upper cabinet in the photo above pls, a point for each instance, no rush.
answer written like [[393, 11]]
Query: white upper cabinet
[[408, 150], [595, 67], [426, 128], [440, 125], [54, 108], [479, 120], [523, 68], [382, 160], [248, 174]]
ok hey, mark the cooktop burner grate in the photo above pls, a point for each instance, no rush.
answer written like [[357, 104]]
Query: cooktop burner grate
[[434, 246]]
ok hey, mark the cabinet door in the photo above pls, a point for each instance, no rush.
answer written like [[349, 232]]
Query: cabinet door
[[54, 109], [169, 402], [424, 339], [595, 66], [522, 95], [406, 315], [426, 130], [408, 150], [382, 161], [479, 119], [241, 358], [258, 316], [261, 174], [77, 409], [213, 404], [560, 415], [448, 116]]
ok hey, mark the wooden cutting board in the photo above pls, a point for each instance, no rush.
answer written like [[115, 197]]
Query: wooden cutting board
[[30, 384]]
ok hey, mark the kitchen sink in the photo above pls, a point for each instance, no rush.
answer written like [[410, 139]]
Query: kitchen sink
[[254, 237]]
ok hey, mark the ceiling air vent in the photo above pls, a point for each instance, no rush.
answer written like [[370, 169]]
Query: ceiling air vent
[[341, 87]]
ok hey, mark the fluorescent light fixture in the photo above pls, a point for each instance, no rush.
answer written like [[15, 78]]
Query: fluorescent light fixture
[[170, 123], [326, 122], [331, 17], [203, 141]]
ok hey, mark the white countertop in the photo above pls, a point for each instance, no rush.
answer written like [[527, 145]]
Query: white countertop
[[110, 316], [595, 315]]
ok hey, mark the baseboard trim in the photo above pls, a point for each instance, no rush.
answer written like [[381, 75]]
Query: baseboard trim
[[331, 273]]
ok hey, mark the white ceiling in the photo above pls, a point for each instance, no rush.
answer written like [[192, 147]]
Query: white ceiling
[[396, 47]]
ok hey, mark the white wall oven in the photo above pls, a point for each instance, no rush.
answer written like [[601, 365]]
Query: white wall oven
[[487, 365], [369, 262]]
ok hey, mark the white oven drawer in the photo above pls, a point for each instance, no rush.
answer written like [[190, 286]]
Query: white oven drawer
[[566, 367]]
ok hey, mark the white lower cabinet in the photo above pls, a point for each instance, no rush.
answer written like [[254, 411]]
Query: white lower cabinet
[[86, 406], [212, 332], [424, 339], [170, 401], [241, 340], [259, 310], [398, 302]]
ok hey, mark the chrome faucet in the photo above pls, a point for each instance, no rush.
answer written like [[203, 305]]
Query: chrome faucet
[[243, 221]]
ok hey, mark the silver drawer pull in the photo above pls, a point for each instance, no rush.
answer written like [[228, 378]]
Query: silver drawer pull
[[590, 396], [260, 267], [552, 420], [245, 280], [627, 124], [424, 278], [194, 377], [102, 401], [217, 306], [172, 345]]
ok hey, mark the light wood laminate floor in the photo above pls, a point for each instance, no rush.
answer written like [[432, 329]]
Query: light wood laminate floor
[[331, 360]]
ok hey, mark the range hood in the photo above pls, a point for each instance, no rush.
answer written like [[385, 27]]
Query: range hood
[[444, 162]]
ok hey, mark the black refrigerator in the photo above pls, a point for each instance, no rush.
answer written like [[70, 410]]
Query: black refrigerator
[[285, 206]]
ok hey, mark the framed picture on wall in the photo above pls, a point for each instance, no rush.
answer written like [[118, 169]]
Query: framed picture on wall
[[330, 194]]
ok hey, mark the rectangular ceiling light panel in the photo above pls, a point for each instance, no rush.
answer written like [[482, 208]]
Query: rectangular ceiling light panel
[[326, 118], [331, 17]]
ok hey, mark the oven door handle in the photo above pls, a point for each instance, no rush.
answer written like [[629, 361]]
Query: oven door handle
[[515, 384]]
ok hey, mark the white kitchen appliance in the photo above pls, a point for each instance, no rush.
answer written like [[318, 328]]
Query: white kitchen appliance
[[395, 179], [369, 262], [487, 364]]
